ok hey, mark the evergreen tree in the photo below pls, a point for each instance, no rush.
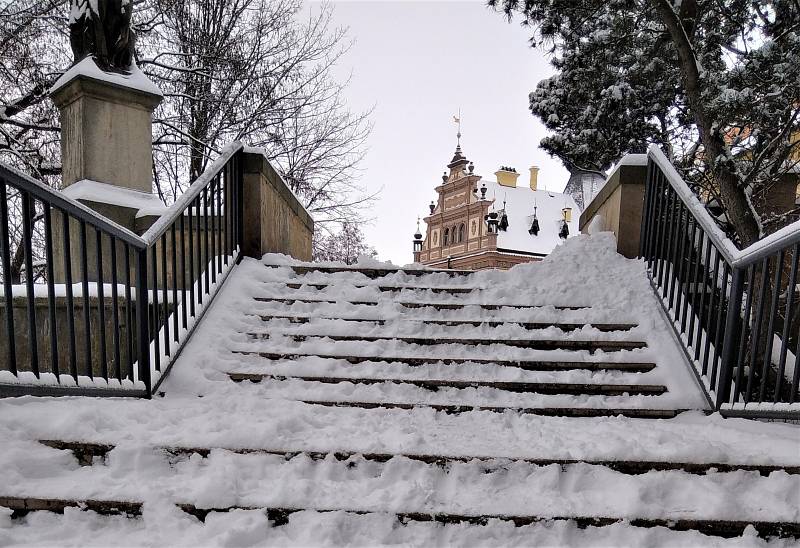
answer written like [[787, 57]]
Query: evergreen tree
[[716, 83]]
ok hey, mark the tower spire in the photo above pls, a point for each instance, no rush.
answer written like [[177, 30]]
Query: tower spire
[[457, 120]]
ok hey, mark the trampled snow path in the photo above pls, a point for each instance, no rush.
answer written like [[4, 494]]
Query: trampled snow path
[[487, 463]]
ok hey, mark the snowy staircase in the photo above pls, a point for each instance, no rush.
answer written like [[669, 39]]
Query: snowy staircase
[[374, 406]]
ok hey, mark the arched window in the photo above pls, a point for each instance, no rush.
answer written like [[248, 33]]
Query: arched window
[[461, 230], [454, 234], [446, 236]]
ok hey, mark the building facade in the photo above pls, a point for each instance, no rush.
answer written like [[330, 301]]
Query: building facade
[[477, 224]]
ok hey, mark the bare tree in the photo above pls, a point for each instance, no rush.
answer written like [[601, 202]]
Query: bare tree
[[249, 70]]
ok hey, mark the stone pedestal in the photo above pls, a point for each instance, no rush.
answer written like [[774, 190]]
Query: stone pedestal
[[107, 156], [106, 127]]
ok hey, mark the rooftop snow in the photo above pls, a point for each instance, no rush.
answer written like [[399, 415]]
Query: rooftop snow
[[520, 202]]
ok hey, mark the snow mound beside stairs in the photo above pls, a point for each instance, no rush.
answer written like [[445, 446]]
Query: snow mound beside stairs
[[316, 405]]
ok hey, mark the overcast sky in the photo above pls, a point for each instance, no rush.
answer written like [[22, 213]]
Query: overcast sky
[[417, 63]]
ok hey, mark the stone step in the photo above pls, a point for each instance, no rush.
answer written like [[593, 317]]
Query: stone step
[[725, 529], [527, 365], [531, 344], [530, 326], [392, 288], [280, 516], [20, 506], [378, 272], [634, 412], [436, 306], [86, 453], [436, 384]]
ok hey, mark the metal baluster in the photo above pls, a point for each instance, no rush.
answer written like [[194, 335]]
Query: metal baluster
[[174, 284], [757, 328], [663, 275], [191, 262], [129, 310], [696, 337], [720, 314], [207, 263], [691, 259], [27, 244], [681, 257], [156, 327], [115, 308], [165, 293], [101, 305], [184, 270], [51, 290], [142, 315], [652, 216], [220, 227], [711, 299], [672, 277], [199, 254], [659, 219], [226, 208], [790, 289], [8, 295], [73, 351], [87, 335], [213, 236], [770, 333], [743, 335]]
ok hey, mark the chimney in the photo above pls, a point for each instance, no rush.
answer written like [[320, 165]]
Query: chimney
[[507, 176], [534, 176]]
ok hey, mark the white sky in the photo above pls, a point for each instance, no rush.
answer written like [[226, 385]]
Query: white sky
[[417, 63]]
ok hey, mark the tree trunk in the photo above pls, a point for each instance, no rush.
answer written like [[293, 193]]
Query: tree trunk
[[738, 208]]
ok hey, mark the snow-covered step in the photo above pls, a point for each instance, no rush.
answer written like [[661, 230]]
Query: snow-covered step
[[527, 365], [456, 491], [437, 384], [421, 304], [530, 326], [279, 517], [378, 272], [88, 454], [391, 288], [531, 344]]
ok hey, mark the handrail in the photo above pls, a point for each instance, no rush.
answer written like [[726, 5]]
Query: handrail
[[739, 258], [78, 210], [176, 209], [123, 305], [735, 312], [689, 198]]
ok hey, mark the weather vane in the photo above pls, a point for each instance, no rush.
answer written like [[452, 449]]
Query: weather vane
[[457, 120]]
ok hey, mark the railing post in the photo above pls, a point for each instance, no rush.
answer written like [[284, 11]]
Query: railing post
[[733, 330], [143, 318]]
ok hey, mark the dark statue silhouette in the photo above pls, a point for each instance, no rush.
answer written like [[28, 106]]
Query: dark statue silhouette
[[102, 29]]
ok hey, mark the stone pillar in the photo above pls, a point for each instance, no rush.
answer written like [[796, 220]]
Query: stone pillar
[[107, 156], [618, 206]]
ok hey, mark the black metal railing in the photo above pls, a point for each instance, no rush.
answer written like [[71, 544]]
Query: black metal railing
[[90, 307], [735, 312]]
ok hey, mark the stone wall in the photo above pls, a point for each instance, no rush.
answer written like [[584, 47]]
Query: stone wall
[[274, 219]]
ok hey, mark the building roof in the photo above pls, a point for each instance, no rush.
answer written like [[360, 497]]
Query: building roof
[[519, 209]]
